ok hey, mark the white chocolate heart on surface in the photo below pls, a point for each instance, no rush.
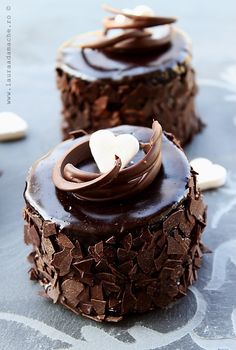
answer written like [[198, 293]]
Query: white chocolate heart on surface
[[210, 175], [12, 126], [104, 146]]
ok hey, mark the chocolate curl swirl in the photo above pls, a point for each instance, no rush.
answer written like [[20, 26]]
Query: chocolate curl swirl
[[134, 38], [136, 21], [116, 183]]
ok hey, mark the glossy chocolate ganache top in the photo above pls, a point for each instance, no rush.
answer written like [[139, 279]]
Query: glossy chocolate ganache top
[[129, 45], [91, 220]]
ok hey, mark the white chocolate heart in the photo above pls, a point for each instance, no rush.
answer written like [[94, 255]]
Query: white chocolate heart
[[12, 126], [210, 175], [143, 10], [104, 146]]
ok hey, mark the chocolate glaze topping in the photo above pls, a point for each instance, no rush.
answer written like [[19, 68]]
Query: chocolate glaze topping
[[112, 185], [131, 41], [96, 64], [125, 49], [92, 221]]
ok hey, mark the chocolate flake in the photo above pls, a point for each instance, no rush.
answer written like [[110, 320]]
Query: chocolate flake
[[71, 289], [77, 251], [62, 261], [127, 242], [33, 237], [99, 306], [172, 221], [97, 292], [33, 276], [124, 255], [64, 241], [53, 292], [175, 247], [114, 318], [84, 265], [86, 308], [47, 247], [146, 260], [128, 301], [161, 88], [98, 248], [49, 229], [111, 240]]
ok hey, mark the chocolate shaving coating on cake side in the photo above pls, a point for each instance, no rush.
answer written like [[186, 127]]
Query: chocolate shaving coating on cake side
[[145, 269], [114, 184], [101, 104], [135, 37]]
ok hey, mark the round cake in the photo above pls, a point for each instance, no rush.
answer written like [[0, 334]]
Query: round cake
[[109, 244], [137, 68]]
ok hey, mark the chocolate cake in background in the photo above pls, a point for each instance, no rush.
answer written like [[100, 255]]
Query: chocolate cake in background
[[110, 244], [137, 69]]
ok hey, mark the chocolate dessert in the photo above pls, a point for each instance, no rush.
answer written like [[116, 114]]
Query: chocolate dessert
[[107, 244], [138, 67]]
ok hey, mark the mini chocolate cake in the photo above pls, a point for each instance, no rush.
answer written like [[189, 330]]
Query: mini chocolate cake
[[110, 79], [110, 244]]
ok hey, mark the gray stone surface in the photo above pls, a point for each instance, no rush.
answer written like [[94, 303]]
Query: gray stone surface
[[206, 318]]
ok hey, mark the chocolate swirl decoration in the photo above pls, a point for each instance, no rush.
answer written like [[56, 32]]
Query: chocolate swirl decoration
[[134, 38], [114, 184]]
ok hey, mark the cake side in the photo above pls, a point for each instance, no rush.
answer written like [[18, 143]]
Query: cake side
[[112, 278], [103, 104]]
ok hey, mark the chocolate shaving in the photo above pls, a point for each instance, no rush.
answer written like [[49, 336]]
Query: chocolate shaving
[[173, 221], [127, 242], [32, 237], [47, 247], [168, 95], [49, 229], [71, 289], [102, 265], [84, 265], [62, 261], [114, 184], [27, 237], [111, 240], [64, 241], [128, 301], [99, 306], [124, 255], [97, 292], [86, 308], [114, 318], [33, 276], [146, 260], [151, 19], [53, 292], [175, 247], [135, 37], [76, 252]]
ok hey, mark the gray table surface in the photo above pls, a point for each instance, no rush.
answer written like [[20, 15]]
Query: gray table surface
[[206, 318]]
